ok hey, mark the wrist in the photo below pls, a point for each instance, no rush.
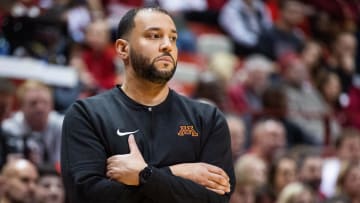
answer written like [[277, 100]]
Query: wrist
[[145, 174]]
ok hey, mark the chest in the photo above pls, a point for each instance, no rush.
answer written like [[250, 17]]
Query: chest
[[164, 138]]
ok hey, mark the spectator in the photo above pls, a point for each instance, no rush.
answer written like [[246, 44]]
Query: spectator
[[312, 57], [36, 127], [268, 139], [347, 150], [310, 165], [282, 172], [274, 102], [253, 78], [341, 59], [50, 188], [244, 95], [237, 133], [7, 91], [352, 109], [244, 21], [210, 87], [251, 174], [296, 192], [306, 107], [97, 62], [284, 37], [348, 182], [20, 178], [329, 86]]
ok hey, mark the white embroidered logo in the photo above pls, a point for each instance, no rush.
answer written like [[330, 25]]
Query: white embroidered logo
[[126, 133]]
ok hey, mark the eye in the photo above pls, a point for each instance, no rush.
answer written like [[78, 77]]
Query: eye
[[154, 36], [174, 38]]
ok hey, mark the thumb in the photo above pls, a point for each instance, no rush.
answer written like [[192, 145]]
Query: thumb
[[133, 146]]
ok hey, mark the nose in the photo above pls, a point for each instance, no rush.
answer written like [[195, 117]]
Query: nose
[[166, 45]]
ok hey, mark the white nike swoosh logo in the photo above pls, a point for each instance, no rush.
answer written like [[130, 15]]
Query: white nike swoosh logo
[[126, 133]]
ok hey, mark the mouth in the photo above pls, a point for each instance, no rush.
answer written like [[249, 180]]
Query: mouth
[[168, 59]]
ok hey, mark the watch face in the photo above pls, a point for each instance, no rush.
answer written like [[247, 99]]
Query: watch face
[[145, 174]]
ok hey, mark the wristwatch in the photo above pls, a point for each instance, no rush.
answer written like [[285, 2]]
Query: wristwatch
[[145, 174]]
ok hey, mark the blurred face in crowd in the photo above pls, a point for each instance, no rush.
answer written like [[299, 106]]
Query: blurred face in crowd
[[50, 190], [311, 54], [36, 106], [271, 137], [352, 182], [152, 43], [296, 72], [345, 45], [293, 12], [350, 149], [97, 35], [237, 133], [20, 183], [332, 88], [311, 170], [285, 173]]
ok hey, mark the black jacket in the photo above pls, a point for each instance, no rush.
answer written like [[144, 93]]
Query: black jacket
[[179, 130]]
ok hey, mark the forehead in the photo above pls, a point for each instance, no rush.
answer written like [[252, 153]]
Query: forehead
[[148, 19]]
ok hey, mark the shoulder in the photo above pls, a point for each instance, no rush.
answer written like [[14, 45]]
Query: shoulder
[[200, 108], [15, 124], [93, 103]]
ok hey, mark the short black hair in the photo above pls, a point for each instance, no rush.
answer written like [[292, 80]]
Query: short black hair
[[127, 23]]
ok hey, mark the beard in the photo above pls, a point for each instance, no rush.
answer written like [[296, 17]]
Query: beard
[[146, 69]]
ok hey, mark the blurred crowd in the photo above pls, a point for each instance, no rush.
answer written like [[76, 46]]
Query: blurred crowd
[[284, 72]]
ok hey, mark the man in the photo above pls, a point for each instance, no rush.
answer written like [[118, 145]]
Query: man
[[268, 139], [141, 141], [237, 133], [284, 37], [310, 165], [50, 188], [347, 148], [20, 178], [36, 128]]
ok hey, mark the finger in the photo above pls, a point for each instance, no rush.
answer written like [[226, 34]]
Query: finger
[[113, 158], [133, 146], [214, 185], [217, 170], [219, 179], [220, 192]]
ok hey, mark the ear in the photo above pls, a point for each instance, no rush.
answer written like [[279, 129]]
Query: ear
[[122, 48]]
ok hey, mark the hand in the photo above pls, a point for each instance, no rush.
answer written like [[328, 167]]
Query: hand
[[209, 176], [125, 168]]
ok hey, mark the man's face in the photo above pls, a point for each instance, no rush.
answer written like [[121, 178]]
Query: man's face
[[293, 13], [153, 50], [50, 189], [36, 105], [311, 171], [21, 186]]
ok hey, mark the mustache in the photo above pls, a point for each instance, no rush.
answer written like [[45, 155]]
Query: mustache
[[166, 54]]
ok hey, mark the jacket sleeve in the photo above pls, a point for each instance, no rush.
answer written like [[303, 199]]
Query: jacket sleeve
[[216, 150], [83, 161]]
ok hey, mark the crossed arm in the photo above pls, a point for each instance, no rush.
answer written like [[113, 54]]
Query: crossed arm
[[126, 168]]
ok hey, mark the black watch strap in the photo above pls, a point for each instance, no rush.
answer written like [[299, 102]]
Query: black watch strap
[[145, 174]]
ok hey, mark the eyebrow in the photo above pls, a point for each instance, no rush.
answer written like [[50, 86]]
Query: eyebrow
[[158, 29]]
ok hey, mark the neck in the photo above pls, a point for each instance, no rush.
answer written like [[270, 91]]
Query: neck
[[145, 92]]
